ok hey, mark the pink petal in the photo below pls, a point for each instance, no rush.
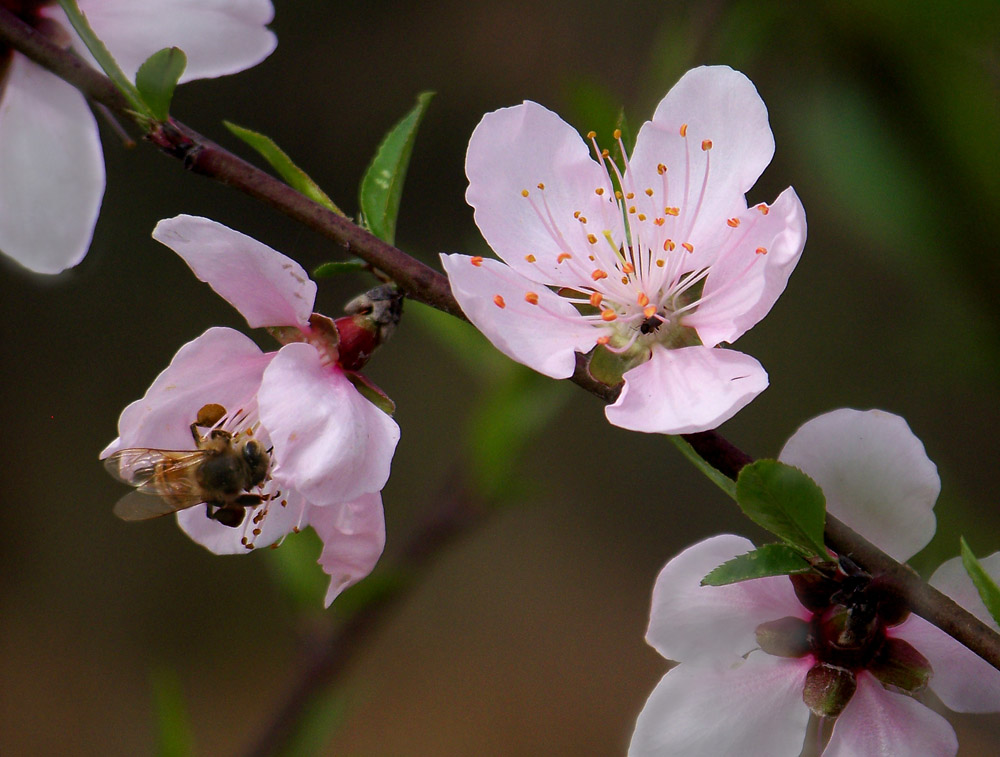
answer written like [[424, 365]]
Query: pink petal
[[875, 474], [691, 623], [543, 336], [221, 366], [268, 288], [753, 708], [962, 679], [353, 535], [686, 390], [223, 540], [51, 167], [218, 36], [513, 150], [330, 443], [744, 283], [881, 723], [708, 186]]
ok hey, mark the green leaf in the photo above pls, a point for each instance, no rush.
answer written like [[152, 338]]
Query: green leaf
[[768, 560], [104, 58], [382, 185], [786, 502], [157, 79], [280, 162], [985, 585], [721, 480], [515, 407], [173, 727], [335, 268], [296, 571]]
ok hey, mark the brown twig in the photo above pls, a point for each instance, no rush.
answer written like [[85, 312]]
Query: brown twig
[[422, 283]]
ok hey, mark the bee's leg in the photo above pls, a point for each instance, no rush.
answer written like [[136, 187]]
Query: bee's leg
[[229, 515]]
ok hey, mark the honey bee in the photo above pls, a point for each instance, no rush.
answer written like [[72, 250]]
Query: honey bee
[[220, 473]]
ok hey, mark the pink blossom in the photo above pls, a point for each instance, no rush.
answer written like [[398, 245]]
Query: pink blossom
[[50, 150], [330, 449], [659, 276], [737, 692]]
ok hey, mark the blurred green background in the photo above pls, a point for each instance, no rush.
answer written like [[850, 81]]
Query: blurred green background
[[526, 636]]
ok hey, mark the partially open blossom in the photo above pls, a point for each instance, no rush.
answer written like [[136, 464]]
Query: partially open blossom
[[329, 449], [652, 269], [757, 656], [50, 150]]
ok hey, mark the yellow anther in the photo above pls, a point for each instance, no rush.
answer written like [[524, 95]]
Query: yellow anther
[[531, 297], [659, 221], [763, 209], [706, 144], [630, 196], [618, 194], [596, 298], [672, 211], [591, 238], [583, 219], [530, 258], [605, 153], [733, 222], [649, 311], [541, 185], [628, 268], [498, 301], [661, 169], [631, 208], [603, 339], [524, 193], [608, 315], [687, 246], [599, 191], [761, 251], [660, 262], [669, 245], [642, 216], [476, 260], [617, 134], [642, 299], [563, 256], [576, 213], [598, 274], [684, 130], [591, 135], [649, 192]]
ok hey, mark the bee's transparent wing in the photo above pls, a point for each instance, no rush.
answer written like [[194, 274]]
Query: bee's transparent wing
[[156, 471], [164, 481], [139, 505]]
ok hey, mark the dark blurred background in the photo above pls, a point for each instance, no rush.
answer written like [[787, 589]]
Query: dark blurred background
[[525, 636]]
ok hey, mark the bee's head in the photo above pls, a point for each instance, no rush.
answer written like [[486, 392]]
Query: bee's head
[[258, 460]]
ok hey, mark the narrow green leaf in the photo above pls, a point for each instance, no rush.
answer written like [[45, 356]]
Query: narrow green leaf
[[104, 58], [157, 79], [719, 479], [173, 727], [295, 569], [985, 585], [517, 406], [336, 268], [628, 139], [382, 185], [786, 502], [280, 162], [768, 560]]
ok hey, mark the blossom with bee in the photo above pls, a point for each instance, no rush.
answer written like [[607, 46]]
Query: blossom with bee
[[757, 657], [50, 149], [328, 448], [649, 269]]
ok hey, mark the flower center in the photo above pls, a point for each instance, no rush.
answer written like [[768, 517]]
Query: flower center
[[634, 269]]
